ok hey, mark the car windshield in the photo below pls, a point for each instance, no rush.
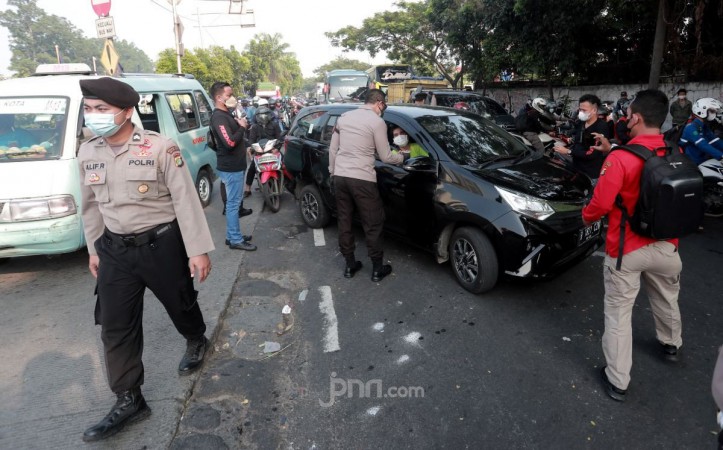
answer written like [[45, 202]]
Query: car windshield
[[32, 128], [471, 140], [494, 108]]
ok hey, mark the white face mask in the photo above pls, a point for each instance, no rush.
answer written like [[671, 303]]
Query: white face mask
[[711, 115], [402, 140], [583, 116], [681, 97], [231, 103]]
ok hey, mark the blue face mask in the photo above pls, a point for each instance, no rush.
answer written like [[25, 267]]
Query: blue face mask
[[103, 124]]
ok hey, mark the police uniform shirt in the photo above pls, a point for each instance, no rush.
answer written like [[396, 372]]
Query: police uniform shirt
[[143, 185]]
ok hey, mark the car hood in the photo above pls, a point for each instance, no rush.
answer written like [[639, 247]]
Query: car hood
[[540, 178]]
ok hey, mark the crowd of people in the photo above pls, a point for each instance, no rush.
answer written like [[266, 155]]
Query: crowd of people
[[166, 247]]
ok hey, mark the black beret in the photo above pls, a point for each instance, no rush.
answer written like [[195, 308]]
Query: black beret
[[420, 96], [111, 91]]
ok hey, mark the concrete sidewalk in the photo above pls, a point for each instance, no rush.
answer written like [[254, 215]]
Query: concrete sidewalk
[[52, 378]]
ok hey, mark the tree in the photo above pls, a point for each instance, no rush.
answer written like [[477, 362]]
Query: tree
[[340, 62], [35, 34], [406, 35], [267, 54]]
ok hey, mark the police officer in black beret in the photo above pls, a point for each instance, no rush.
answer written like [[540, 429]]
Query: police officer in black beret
[[145, 228]]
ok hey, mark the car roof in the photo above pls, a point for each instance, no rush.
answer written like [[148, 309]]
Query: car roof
[[68, 84], [406, 109]]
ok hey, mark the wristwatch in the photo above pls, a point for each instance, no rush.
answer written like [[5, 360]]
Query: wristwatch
[[569, 152]]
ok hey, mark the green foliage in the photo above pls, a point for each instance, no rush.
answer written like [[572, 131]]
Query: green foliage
[[406, 35], [268, 56], [34, 35], [339, 62]]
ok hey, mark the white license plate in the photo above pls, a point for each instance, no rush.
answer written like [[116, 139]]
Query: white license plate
[[588, 233]]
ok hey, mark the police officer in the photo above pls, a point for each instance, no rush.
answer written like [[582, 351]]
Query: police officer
[[145, 227], [359, 135]]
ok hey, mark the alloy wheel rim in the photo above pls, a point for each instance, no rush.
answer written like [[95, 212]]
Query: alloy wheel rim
[[310, 207], [466, 263]]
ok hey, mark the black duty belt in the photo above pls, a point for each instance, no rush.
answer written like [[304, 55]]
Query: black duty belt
[[139, 239]]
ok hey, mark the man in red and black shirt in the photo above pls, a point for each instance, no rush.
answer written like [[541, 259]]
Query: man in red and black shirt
[[656, 262]]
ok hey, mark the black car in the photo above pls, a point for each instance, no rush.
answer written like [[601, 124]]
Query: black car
[[481, 198], [484, 106]]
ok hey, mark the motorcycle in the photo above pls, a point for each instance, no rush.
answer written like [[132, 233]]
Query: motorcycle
[[270, 171], [712, 171]]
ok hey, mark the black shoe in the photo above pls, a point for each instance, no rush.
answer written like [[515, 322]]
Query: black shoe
[[671, 352], [246, 238], [247, 194], [224, 210], [196, 350], [380, 272], [245, 212], [130, 407], [243, 246], [614, 392], [351, 270]]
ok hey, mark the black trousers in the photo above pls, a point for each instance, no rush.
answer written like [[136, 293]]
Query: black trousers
[[124, 273], [250, 174], [363, 196]]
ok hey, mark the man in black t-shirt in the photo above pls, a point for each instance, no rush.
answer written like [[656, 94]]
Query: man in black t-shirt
[[585, 158]]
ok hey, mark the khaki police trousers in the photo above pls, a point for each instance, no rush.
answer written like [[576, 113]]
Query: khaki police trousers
[[659, 265]]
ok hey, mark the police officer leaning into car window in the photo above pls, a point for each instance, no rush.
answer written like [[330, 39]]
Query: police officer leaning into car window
[[357, 136], [145, 228]]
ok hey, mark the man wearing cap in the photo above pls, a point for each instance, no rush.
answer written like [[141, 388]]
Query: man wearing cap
[[681, 109], [618, 110], [145, 228]]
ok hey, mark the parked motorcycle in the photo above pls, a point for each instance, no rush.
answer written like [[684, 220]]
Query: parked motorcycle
[[712, 171], [270, 171]]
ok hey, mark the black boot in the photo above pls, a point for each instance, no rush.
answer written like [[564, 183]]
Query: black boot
[[352, 268], [130, 407], [380, 270], [195, 353]]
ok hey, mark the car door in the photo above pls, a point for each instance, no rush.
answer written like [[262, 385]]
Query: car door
[[407, 190], [305, 139]]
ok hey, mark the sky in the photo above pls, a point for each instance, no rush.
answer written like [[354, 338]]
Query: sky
[[149, 24]]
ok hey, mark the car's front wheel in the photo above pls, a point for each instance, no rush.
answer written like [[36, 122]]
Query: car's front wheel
[[474, 260], [204, 187], [313, 210]]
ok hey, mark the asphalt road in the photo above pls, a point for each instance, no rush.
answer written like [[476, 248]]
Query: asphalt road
[[413, 361]]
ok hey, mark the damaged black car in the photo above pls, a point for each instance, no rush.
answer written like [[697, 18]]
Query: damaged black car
[[479, 198]]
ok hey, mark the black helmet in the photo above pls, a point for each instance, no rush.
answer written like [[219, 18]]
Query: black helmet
[[263, 115]]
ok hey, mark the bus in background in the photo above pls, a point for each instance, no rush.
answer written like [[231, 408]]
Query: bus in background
[[382, 75], [344, 85]]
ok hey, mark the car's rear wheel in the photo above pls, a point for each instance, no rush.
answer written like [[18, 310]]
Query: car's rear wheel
[[474, 260], [313, 210], [204, 187]]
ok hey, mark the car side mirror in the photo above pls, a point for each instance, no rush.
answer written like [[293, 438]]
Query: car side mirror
[[422, 164]]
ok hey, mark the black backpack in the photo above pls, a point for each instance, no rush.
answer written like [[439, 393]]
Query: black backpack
[[670, 204], [211, 140]]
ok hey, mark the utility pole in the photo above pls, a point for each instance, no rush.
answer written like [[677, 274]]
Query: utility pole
[[177, 33], [658, 47]]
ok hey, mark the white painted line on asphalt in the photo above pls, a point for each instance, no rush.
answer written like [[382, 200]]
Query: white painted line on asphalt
[[326, 306], [303, 294], [599, 254], [402, 359], [379, 326], [319, 240]]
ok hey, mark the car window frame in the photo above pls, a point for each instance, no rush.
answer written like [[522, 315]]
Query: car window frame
[[183, 113], [305, 135]]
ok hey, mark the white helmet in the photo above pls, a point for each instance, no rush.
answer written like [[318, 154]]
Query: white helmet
[[540, 104], [263, 102], [703, 105]]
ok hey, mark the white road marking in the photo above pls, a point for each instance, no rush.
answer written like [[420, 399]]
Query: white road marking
[[402, 359], [326, 306], [413, 337], [319, 240], [379, 326], [599, 254], [302, 295], [373, 410]]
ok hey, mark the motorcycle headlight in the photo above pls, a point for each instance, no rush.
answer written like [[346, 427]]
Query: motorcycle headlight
[[27, 210], [526, 205]]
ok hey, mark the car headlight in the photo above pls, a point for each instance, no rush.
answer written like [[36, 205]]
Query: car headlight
[[526, 205], [27, 210]]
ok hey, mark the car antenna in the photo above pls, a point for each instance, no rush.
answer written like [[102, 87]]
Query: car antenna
[[340, 96]]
